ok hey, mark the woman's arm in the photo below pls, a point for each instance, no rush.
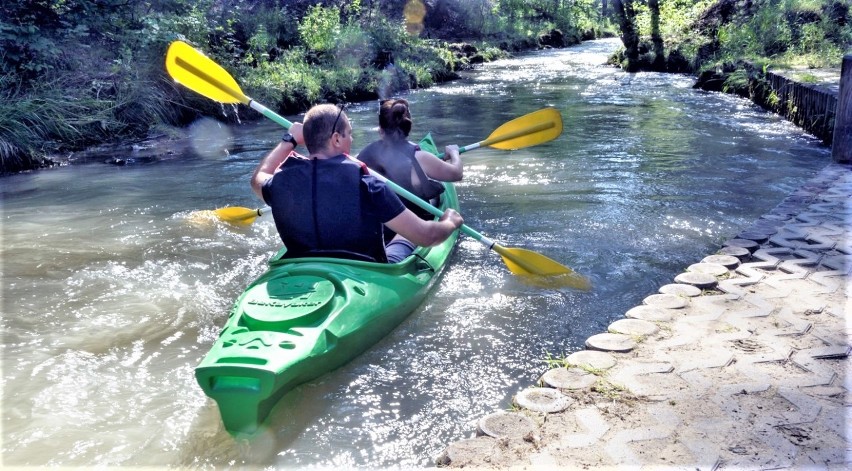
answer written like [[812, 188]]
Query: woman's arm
[[442, 170]]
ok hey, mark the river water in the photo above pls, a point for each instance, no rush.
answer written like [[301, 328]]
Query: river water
[[113, 290]]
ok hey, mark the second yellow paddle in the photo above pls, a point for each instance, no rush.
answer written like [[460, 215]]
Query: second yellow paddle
[[239, 215], [530, 129]]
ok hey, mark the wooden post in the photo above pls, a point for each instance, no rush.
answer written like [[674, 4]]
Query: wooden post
[[841, 148]]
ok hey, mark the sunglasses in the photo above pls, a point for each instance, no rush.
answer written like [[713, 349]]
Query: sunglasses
[[341, 108]]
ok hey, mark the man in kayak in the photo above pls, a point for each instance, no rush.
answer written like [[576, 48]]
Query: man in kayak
[[328, 205], [403, 162]]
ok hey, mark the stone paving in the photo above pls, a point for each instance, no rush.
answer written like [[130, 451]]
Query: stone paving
[[742, 363]]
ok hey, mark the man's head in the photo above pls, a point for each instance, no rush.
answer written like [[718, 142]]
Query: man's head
[[326, 129]]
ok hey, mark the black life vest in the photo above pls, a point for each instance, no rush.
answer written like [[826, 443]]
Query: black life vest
[[345, 226]]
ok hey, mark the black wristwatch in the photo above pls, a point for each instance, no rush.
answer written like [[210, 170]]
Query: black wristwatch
[[289, 138]]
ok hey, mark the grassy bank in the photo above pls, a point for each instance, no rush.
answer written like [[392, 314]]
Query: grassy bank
[[84, 72]]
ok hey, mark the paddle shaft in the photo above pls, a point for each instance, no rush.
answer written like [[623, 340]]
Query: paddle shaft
[[396, 188], [433, 210], [188, 66], [283, 122]]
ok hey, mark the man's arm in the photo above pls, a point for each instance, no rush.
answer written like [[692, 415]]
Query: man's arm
[[425, 233], [269, 164]]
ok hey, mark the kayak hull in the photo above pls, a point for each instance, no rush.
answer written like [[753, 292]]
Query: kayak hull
[[308, 316]]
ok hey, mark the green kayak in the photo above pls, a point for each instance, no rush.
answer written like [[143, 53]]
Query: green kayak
[[305, 317]]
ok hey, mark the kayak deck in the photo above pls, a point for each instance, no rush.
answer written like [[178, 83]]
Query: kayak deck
[[305, 317]]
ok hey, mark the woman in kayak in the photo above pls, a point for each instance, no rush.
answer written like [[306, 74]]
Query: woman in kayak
[[328, 205], [403, 162]]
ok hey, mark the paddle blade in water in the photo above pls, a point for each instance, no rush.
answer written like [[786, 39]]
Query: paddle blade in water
[[199, 73], [237, 215], [540, 269], [529, 130]]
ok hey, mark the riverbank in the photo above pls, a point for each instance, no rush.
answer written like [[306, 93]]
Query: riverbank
[[807, 98], [741, 363]]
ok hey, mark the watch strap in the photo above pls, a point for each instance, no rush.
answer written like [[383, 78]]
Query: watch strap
[[287, 137]]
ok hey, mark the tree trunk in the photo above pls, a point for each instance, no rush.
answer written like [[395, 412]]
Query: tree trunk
[[629, 35], [656, 38]]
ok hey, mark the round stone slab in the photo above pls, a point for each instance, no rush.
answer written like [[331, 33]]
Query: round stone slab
[[680, 289], [544, 400], [757, 236], [568, 378], [467, 451], [650, 313], [710, 268], [633, 327], [699, 280], [787, 209], [611, 342], [767, 226], [667, 301], [749, 245], [591, 359], [739, 252], [507, 425], [728, 261]]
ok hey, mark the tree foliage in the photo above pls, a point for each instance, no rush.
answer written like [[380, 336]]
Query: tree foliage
[[108, 54], [690, 35], [320, 29]]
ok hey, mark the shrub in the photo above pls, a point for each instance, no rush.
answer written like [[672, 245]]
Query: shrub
[[288, 83], [320, 29]]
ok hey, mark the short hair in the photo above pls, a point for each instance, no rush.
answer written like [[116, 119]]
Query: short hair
[[317, 126], [395, 118]]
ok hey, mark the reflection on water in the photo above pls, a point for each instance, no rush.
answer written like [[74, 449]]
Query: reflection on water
[[112, 291]]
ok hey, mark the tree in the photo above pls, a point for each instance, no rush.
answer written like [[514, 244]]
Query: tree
[[656, 37], [626, 14]]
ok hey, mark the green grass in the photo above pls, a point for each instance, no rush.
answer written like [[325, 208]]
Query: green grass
[[63, 114]]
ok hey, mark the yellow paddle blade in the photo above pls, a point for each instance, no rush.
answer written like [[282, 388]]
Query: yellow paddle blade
[[200, 74], [238, 215], [540, 269], [529, 130]]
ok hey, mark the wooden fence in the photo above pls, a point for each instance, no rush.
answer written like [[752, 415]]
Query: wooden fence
[[809, 106], [841, 149]]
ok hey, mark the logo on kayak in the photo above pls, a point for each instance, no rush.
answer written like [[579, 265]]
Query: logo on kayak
[[287, 301], [284, 304]]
